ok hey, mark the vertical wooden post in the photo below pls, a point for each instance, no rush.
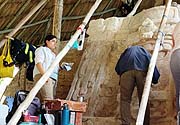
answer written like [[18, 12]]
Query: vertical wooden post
[[57, 20]]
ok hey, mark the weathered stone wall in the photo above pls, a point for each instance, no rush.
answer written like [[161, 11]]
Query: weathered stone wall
[[111, 37]]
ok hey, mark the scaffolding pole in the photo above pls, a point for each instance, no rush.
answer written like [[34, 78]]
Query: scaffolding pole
[[147, 86]]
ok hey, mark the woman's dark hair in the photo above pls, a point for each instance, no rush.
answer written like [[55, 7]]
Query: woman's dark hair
[[49, 37]]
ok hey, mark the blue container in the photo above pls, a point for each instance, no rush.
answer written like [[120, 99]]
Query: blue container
[[65, 115]]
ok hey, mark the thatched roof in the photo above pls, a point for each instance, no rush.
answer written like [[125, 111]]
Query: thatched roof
[[40, 24]]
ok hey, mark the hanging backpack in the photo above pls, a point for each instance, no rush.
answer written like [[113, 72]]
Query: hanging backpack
[[22, 52], [20, 96]]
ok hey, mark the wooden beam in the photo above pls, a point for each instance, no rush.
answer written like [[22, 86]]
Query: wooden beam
[[46, 31], [19, 12], [34, 33], [95, 14], [26, 26], [74, 6], [24, 105], [147, 86], [71, 11], [34, 17], [37, 29], [109, 3], [57, 19], [3, 4], [63, 18], [23, 21]]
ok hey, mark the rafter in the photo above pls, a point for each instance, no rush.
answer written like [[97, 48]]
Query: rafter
[[77, 3], [3, 4], [34, 33], [47, 28], [34, 17], [26, 26], [19, 12], [71, 11], [96, 14], [37, 29], [64, 18], [109, 3]]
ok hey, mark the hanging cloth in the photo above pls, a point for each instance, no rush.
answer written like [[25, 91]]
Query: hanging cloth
[[6, 62]]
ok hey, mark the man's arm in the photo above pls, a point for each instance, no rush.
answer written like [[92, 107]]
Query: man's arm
[[40, 68]]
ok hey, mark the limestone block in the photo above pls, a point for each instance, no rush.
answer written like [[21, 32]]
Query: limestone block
[[136, 21], [169, 28], [107, 108], [147, 29], [155, 14], [146, 35], [159, 95], [159, 109], [97, 25], [125, 23], [149, 47], [113, 24], [174, 15], [108, 35], [100, 121], [133, 38], [96, 29], [121, 35], [104, 29], [108, 91]]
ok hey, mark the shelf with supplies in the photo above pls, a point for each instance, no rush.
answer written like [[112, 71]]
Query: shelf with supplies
[[69, 112]]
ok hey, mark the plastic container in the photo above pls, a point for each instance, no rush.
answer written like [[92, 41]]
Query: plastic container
[[29, 118], [65, 115]]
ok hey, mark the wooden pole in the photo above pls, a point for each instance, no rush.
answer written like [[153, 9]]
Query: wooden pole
[[23, 21], [23, 106], [57, 20], [160, 38], [25, 26], [135, 8], [3, 4], [25, 4], [7, 81]]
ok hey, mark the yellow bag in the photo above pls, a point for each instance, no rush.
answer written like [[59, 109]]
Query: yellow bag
[[6, 62]]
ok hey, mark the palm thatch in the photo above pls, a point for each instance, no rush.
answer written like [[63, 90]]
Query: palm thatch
[[40, 24]]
